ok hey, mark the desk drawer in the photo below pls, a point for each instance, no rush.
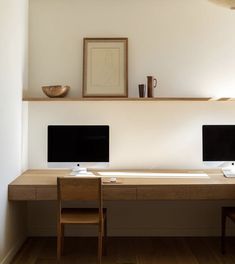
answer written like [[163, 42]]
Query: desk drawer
[[161, 193], [186, 192], [172, 192], [119, 194], [46, 193], [18, 193]]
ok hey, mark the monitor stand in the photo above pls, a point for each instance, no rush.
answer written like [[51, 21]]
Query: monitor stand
[[77, 171]]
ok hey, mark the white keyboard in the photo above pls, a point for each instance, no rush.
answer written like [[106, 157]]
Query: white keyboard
[[229, 173]]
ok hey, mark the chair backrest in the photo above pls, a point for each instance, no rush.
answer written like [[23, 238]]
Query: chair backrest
[[79, 189]]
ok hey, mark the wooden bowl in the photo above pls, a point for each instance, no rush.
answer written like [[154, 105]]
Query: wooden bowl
[[55, 90]]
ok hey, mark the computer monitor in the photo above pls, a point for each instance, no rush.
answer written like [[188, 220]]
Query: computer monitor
[[218, 143], [72, 145]]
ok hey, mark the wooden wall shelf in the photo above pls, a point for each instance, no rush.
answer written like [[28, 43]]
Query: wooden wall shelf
[[68, 99]]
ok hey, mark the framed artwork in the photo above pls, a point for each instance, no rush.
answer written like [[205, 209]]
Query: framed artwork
[[105, 67]]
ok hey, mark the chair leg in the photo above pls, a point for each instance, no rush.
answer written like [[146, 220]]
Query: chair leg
[[223, 231], [105, 238], [62, 239], [100, 238], [58, 242]]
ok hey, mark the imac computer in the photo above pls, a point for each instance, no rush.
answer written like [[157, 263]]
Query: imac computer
[[77, 147], [218, 143]]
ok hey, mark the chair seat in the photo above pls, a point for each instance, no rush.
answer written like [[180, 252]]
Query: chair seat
[[81, 215]]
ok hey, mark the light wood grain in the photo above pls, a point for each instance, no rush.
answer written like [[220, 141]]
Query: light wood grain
[[121, 193], [154, 99], [80, 189], [49, 177], [215, 187], [21, 193], [187, 192], [46, 193]]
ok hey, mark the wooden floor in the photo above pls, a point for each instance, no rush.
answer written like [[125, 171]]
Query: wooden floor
[[129, 251]]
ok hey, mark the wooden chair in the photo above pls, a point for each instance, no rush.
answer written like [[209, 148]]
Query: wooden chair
[[81, 189], [230, 213]]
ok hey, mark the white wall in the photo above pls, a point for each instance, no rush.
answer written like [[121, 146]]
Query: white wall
[[143, 135], [13, 76], [188, 45]]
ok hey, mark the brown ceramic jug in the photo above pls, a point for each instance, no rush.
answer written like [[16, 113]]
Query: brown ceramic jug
[[151, 84]]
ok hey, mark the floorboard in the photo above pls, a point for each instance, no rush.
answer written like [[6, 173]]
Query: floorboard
[[129, 251]]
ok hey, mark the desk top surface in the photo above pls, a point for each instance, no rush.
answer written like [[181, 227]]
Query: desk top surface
[[130, 177]]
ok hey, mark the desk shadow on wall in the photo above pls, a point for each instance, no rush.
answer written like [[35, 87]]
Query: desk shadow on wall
[[138, 218]]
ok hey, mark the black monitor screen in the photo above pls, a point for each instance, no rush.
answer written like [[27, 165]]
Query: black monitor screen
[[78, 144], [218, 142]]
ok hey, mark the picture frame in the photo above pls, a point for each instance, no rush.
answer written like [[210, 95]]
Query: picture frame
[[105, 67]]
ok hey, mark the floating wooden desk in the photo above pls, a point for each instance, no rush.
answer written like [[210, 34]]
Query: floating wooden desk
[[39, 185]]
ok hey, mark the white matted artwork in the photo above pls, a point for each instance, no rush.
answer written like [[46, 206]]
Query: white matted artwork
[[105, 67]]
